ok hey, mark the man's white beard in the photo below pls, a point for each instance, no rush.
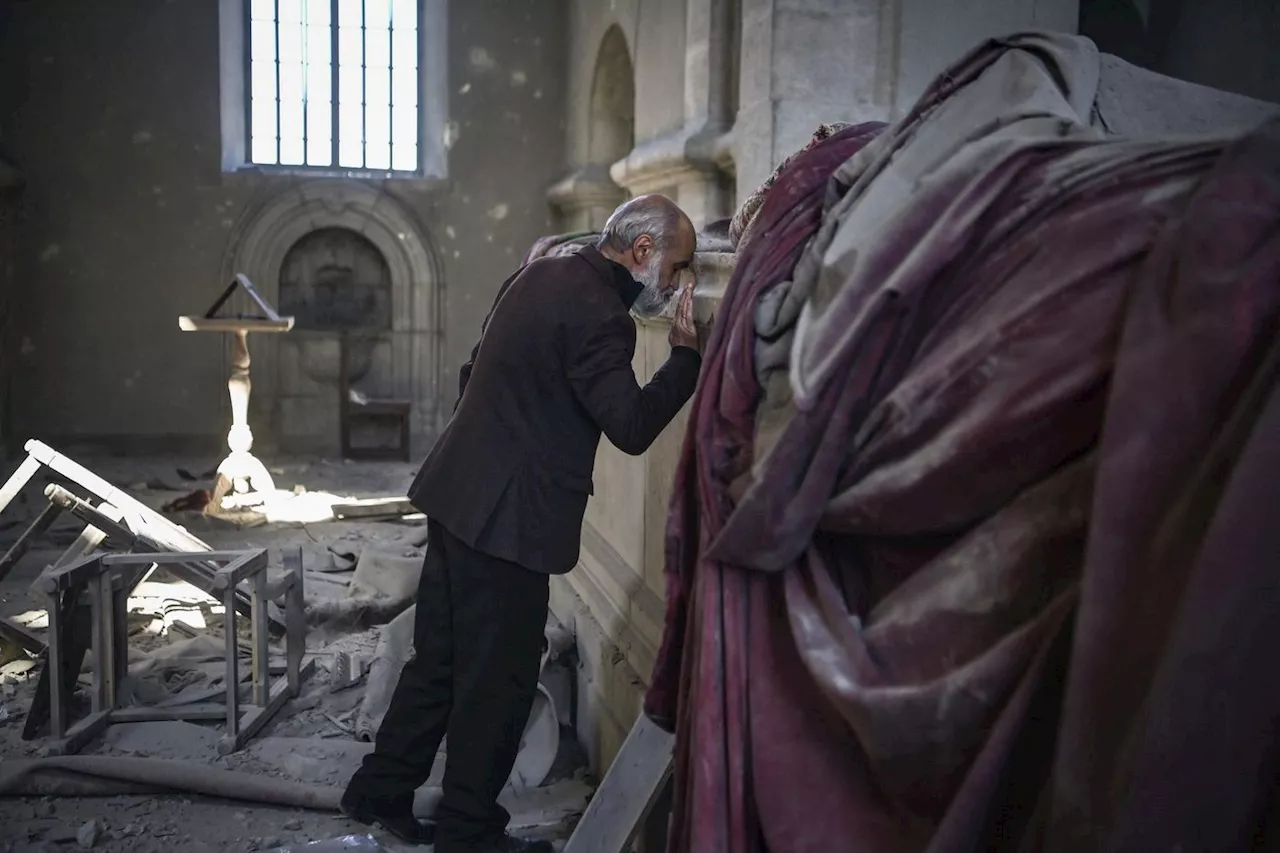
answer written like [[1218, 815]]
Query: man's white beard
[[652, 302]]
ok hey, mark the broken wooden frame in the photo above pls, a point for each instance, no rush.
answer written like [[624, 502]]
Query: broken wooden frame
[[103, 524], [73, 618], [141, 522], [107, 578]]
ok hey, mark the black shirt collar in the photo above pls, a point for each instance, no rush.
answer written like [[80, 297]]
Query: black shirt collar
[[615, 273]]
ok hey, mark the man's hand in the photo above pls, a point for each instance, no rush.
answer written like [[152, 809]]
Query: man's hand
[[683, 332]]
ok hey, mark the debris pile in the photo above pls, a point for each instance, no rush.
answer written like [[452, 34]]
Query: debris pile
[[358, 570]]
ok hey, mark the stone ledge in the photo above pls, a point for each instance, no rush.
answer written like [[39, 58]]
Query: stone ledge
[[722, 152], [584, 188], [684, 155], [712, 271]]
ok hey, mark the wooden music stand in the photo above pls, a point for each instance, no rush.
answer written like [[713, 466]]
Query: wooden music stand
[[240, 474]]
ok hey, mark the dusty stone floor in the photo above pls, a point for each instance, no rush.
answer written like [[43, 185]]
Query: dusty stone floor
[[310, 740]]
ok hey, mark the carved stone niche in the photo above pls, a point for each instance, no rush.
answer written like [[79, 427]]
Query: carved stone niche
[[343, 256], [335, 282]]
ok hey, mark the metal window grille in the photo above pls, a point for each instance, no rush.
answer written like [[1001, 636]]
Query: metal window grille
[[334, 84]]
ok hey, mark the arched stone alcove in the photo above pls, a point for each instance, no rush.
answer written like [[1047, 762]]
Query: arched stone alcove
[[587, 197], [413, 343], [613, 101]]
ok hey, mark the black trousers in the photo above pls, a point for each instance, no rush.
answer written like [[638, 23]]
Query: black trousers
[[478, 635]]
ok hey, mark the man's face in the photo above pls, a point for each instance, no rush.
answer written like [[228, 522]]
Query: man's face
[[658, 269]]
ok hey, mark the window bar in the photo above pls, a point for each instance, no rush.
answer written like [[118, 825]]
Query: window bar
[[391, 89], [275, 30], [305, 34], [417, 73], [333, 82], [248, 84], [364, 91]]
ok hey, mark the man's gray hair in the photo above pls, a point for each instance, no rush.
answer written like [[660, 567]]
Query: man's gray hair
[[638, 217]]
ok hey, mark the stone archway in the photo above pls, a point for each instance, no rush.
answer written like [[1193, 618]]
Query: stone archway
[[258, 249], [587, 196]]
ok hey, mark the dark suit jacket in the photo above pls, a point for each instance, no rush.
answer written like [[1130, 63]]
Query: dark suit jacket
[[511, 473]]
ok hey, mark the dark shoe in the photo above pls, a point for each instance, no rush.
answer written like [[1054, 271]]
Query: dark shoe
[[399, 822], [504, 844]]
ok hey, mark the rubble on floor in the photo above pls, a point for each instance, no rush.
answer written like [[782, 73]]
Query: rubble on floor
[[163, 784]]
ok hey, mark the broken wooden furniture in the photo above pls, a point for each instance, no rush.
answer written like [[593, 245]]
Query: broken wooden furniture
[[142, 523], [368, 412], [73, 617], [107, 577], [241, 474], [118, 522], [91, 537]]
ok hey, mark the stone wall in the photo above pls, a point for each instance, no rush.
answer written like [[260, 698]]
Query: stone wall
[[111, 110]]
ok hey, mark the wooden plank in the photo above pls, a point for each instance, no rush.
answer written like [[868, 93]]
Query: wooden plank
[[151, 713], [245, 566], [28, 538], [295, 620], [80, 734], [18, 480], [373, 507], [141, 519], [257, 716], [121, 535], [233, 324], [628, 792], [165, 558], [57, 579], [14, 632], [87, 542]]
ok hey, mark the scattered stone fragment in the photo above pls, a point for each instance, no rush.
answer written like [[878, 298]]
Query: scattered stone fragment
[[44, 808], [60, 835], [292, 824], [88, 834]]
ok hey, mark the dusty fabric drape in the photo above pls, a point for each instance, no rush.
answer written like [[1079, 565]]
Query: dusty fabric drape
[[739, 226], [558, 244], [968, 547]]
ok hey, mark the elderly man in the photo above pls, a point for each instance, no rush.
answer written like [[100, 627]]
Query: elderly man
[[505, 489]]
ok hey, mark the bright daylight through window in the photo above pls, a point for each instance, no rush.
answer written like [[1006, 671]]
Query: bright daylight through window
[[334, 84]]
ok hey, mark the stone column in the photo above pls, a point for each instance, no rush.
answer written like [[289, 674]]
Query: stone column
[[689, 163], [806, 62]]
